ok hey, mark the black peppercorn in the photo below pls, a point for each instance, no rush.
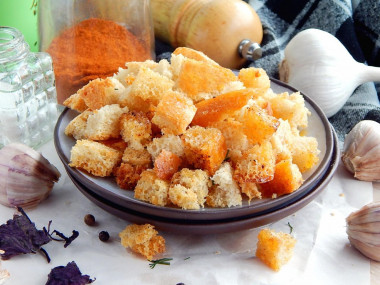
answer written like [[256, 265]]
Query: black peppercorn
[[104, 236], [89, 220]]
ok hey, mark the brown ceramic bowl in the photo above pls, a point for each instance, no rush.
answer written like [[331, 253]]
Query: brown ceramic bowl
[[107, 189]]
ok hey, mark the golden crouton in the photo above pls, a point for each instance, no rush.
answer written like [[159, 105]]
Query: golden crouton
[[174, 113], [257, 164], [117, 144], [127, 75], [127, 175], [94, 157], [251, 190], [258, 125], [255, 78], [137, 157], [193, 54], [287, 178], [219, 108], [135, 129], [305, 152], [143, 239], [166, 164], [282, 141], [77, 126], [100, 92], [189, 188], [103, 124], [200, 80], [75, 102], [169, 142], [205, 148], [274, 248], [225, 191], [152, 189]]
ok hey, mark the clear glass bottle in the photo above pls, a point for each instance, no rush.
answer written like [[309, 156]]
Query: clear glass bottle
[[89, 39], [28, 103]]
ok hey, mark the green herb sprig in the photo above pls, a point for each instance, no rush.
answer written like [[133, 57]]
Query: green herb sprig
[[162, 261], [291, 228]]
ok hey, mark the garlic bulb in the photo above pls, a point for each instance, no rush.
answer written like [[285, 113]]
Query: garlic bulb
[[363, 230], [316, 63], [26, 177], [361, 151]]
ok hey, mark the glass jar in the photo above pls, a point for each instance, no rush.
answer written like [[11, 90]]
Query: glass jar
[[28, 108], [90, 39]]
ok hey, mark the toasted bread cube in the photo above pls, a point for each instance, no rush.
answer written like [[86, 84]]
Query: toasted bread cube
[[255, 78], [205, 148], [257, 164], [128, 175], [290, 107], [251, 190], [135, 129], [193, 54], [287, 178], [137, 157], [258, 125], [274, 249], [169, 142], [117, 144], [150, 86], [166, 164], [152, 189], [198, 79], [101, 92], [103, 124], [225, 191], [282, 141], [174, 113], [75, 102], [189, 188], [77, 126], [219, 108], [305, 152], [142, 239], [94, 157], [132, 68]]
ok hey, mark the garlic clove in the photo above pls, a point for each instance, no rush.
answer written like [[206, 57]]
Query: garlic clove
[[361, 151], [363, 230], [26, 177], [317, 63]]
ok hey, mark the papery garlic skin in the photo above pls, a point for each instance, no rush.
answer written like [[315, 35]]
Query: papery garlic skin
[[361, 151], [26, 177], [363, 230], [316, 63]]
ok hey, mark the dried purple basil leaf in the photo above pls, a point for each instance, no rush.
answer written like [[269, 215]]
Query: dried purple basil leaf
[[68, 275], [67, 240]]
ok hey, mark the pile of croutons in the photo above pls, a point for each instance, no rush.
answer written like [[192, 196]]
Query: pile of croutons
[[191, 133]]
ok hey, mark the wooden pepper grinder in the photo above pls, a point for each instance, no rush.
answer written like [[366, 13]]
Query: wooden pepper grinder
[[228, 31]]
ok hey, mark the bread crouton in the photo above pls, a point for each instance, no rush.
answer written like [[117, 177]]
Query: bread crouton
[[174, 113], [94, 157], [193, 54], [75, 102], [169, 142], [305, 152], [205, 148], [257, 164], [135, 129], [117, 144], [100, 92], [152, 189], [128, 175], [225, 191], [258, 125], [287, 178], [219, 108], [255, 78], [103, 124], [143, 239], [189, 188], [282, 141], [137, 157], [127, 75], [77, 126], [251, 190], [166, 164], [274, 249], [198, 79], [290, 107]]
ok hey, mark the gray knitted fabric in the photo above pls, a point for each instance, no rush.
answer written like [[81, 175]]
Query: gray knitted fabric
[[355, 23]]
